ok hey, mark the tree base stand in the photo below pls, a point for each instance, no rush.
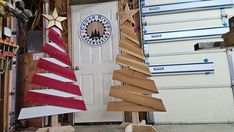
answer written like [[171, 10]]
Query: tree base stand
[[136, 125], [141, 127], [57, 129]]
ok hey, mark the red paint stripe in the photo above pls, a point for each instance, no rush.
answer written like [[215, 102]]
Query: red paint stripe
[[55, 53], [56, 38], [55, 84], [56, 69], [55, 100]]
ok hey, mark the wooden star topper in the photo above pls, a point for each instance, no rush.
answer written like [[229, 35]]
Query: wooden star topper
[[127, 14], [54, 20]]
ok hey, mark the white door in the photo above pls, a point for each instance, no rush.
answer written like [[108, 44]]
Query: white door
[[95, 46]]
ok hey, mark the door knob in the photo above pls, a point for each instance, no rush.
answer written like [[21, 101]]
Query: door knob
[[77, 68]]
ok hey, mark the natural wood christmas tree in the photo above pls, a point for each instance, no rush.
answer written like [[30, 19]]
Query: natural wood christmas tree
[[134, 75]]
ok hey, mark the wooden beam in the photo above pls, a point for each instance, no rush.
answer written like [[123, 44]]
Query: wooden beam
[[128, 71], [57, 129], [228, 39], [127, 106], [54, 121], [126, 60], [135, 81], [127, 31], [137, 90], [69, 29], [143, 100], [128, 47], [140, 128], [6, 104], [135, 118]]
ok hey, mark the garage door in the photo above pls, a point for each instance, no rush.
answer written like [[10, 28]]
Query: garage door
[[195, 85]]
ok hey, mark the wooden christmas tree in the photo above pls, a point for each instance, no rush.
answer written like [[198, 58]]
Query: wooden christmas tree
[[134, 75], [60, 93]]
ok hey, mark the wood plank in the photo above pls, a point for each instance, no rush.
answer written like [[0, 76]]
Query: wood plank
[[54, 121], [135, 81], [40, 111], [57, 129], [127, 106], [54, 93], [62, 129], [228, 39], [132, 57], [127, 31], [57, 62], [140, 128], [128, 71], [6, 102], [130, 48], [143, 128], [137, 90], [135, 118], [132, 97], [56, 77], [69, 45], [133, 64]]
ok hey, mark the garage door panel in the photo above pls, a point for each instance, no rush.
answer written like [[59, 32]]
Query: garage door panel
[[152, 7], [184, 26], [220, 77], [157, 2], [178, 47], [187, 16], [196, 106]]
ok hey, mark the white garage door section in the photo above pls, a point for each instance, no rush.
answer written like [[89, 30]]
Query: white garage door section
[[96, 63], [220, 78], [204, 105], [171, 28]]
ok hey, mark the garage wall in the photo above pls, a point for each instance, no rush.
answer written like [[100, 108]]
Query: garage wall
[[190, 98]]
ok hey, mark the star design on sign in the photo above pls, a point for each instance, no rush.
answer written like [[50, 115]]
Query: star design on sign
[[54, 19], [127, 14]]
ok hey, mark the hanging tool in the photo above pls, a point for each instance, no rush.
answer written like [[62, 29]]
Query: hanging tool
[[9, 8]]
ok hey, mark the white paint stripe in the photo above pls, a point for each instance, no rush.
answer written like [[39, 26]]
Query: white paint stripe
[[56, 77], [55, 61], [57, 30], [40, 111], [54, 93], [56, 46]]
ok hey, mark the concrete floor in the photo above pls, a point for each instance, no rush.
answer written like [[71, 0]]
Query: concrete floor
[[164, 128]]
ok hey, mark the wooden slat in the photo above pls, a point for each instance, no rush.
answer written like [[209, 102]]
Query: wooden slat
[[135, 81], [135, 117], [40, 111], [127, 106], [131, 57], [125, 60], [128, 31], [130, 48], [57, 129], [54, 121], [128, 71], [132, 97], [228, 39], [140, 128], [6, 103], [137, 90]]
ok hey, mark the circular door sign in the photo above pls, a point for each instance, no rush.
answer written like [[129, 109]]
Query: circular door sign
[[95, 30]]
